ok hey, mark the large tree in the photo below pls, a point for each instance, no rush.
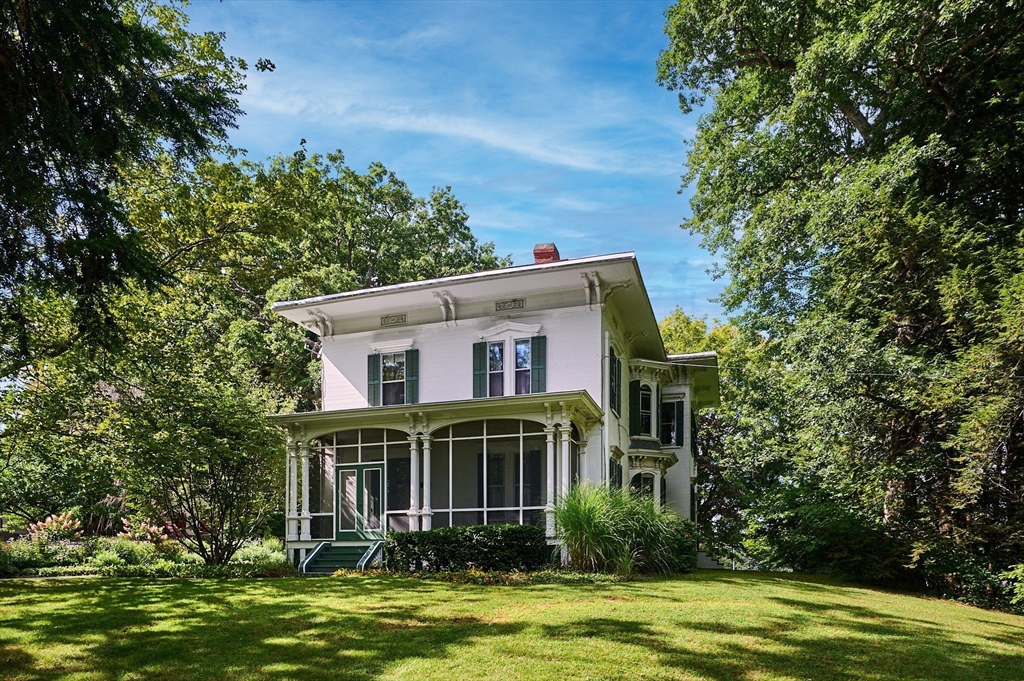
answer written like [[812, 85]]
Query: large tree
[[859, 171], [93, 92], [173, 422]]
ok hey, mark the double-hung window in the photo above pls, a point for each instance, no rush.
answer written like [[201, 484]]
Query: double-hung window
[[393, 378], [495, 369], [646, 416], [523, 364], [513, 366]]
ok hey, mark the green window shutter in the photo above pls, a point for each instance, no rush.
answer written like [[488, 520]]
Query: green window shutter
[[634, 408], [618, 385], [539, 364], [479, 369], [680, 415], [613, 380], [373, 380], [412, 376], [656, 426]]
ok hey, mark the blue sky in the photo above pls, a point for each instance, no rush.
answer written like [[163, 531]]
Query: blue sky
[[544, 118]]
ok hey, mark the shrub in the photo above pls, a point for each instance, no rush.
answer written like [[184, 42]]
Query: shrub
[[479, 547], [130, 552], [31, 553], [55, 527], [264, 552], [191, 570], [616, 531]]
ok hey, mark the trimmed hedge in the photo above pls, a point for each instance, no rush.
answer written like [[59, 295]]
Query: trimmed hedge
[[474, 547]]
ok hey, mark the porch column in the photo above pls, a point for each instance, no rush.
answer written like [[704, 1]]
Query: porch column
[[304, 517], [657, 487], [414, 483], [563, 474], [291, 513], [425, 512], [626, 473], [549, 507]]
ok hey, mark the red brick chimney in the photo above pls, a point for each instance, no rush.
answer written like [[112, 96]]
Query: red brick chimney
[[543, 253]]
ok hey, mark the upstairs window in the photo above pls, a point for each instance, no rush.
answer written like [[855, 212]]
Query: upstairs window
[[495, 369], [525, 374], [668, 423], [646, 417], [523, 365], [393, 378]]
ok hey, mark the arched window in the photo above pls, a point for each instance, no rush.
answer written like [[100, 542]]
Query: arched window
[[646, 410], [642, 484]]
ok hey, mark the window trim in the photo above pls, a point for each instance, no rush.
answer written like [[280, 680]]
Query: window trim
[[645, 390]]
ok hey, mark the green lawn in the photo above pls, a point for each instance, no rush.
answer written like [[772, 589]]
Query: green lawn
[[710, 625]]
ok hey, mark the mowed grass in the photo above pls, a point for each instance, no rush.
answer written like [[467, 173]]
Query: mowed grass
[[709, 625]]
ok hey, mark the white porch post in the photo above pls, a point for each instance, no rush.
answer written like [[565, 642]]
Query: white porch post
[[657, 487], [426, 513], [291, 513], [414, 483], [563, 474], [626, 474], [549, 507], [305, 517]]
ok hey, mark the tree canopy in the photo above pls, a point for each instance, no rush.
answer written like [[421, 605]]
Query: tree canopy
[[94, 92], [859, 172]]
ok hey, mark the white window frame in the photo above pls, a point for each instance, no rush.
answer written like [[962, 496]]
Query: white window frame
[[402, 380]]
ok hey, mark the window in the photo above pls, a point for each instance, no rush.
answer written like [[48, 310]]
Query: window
[[393, 378], [526, 373], [668, 423], [495, 369], [645, 410], [615, 380], [523, 366]]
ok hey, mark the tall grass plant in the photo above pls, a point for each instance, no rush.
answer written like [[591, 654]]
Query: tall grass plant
[[605, 530]]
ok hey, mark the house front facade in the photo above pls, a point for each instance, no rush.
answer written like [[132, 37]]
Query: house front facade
[[482, 398]]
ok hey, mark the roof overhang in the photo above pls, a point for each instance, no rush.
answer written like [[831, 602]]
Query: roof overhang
[[573, 406], [618, 275], [703, 370]]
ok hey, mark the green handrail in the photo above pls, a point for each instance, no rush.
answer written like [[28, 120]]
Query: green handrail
[[312, 554], [370, 555]]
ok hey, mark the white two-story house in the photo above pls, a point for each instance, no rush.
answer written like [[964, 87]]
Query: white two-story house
[[482, 398]]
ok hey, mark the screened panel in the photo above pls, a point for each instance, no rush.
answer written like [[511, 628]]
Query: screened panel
[[502, 473], [439, 475], [467, 474], [535, 471]]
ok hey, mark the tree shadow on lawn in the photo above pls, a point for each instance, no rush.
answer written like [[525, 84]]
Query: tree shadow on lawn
[[229, 629], [869, 645]]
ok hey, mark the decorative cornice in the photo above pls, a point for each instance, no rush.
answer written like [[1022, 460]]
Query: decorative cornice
[[504, 328], [384, 347]]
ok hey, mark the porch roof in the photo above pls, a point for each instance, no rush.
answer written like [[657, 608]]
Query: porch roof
[[576, 406]]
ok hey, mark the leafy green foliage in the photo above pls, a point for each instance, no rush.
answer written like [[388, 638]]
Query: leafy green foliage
[[457, 549], [622, 532], [94, 91], [172, 424], [859, 172]]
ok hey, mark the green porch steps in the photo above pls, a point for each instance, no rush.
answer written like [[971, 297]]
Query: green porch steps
[[325, 559]]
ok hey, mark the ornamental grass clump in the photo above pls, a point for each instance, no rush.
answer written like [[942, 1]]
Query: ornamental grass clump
[[616, 531]]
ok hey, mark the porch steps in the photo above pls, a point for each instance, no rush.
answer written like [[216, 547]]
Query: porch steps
[[706, 562], [330, 558]]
